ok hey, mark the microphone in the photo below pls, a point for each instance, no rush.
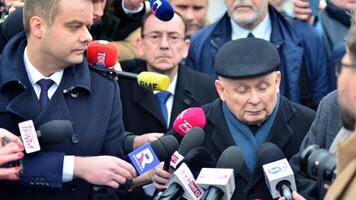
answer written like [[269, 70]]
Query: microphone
[[219, 182], [198, 158], [148, 156], [52, 132], [182, 184], [279, 175], [102, 56], [55, 131], [194, 138], [162, 9], [187, 119]]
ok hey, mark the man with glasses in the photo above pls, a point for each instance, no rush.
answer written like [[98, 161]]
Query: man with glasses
[[162, 46]]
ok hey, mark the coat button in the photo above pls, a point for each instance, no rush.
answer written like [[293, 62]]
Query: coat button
[[72, 187], [75, 138]]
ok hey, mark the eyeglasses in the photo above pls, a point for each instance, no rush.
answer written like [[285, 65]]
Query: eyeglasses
[[339, 66], [173, 38]]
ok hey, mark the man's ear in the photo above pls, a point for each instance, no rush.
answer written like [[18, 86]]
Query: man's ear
[[37, 26], [140, 46], [220, 89]]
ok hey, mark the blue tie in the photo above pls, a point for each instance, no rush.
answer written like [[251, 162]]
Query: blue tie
[[45, 84], [162, 99], [250, 35]]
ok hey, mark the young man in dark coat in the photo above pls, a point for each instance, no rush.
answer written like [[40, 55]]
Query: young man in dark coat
[[43, 77]]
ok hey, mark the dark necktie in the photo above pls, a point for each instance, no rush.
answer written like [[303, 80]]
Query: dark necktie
[[250, 35], [162, 99], [45, 84]]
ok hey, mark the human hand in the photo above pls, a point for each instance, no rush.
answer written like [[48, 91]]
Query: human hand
[[160, 177], [295, 195], [303, 12], [103, 170], [16, 4], [145, 138], [10, 152]]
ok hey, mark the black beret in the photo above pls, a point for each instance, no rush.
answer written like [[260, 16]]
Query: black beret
[[246, 57]]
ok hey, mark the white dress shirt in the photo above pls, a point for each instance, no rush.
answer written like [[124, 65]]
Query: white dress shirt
[[34, 76], [262, 30]]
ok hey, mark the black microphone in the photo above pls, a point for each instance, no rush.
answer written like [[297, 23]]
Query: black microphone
[[55, 131], [193, 138], [279, 175], [231, 158], [199, 158]]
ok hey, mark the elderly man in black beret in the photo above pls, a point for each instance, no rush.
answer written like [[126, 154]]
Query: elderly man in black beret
[[250, 112]]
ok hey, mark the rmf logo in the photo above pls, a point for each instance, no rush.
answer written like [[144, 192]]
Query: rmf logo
[[144, 157]]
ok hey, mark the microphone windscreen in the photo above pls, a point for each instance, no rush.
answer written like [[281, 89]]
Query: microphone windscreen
[[194, 138], [191, 117], [153, 81], [102, 54], [56, 131], [162, 9], [231, 158], [268, 153], [164, 147], [199, 158]]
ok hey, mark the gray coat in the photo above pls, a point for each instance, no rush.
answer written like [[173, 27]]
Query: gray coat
[[322, 132]]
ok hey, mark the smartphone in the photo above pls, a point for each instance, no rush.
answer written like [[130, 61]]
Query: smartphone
[[314, 6]]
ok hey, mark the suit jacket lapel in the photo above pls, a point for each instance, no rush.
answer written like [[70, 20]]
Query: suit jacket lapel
[[146, 99], [20, 105], [184, 95]]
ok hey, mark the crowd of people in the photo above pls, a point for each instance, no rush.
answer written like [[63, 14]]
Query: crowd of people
[[259, 75]]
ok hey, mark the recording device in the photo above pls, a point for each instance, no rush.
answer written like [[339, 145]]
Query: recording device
[[318, 163], [278, 174], [182, 184], [102, 56], [219, 182], [162, 9], [148, 156]]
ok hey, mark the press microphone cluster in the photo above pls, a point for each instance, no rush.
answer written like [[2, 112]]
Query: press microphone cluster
[[162, 9], [102, 56]]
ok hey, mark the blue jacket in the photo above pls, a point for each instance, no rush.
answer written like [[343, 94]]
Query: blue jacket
[[297, 43], [91, 102]]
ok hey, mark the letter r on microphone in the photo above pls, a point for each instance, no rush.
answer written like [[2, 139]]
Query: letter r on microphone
[[143, 159]]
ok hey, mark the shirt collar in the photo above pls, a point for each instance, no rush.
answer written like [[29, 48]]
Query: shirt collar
[[262, 31], [34, 75]]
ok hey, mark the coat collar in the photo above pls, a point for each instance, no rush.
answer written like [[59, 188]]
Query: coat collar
[[281, 30], [14, 81]]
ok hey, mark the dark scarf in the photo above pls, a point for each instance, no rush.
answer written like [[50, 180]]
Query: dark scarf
[[339, 14]]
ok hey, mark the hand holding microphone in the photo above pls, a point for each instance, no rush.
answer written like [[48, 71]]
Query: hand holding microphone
[[11, 150], [102, 56]]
